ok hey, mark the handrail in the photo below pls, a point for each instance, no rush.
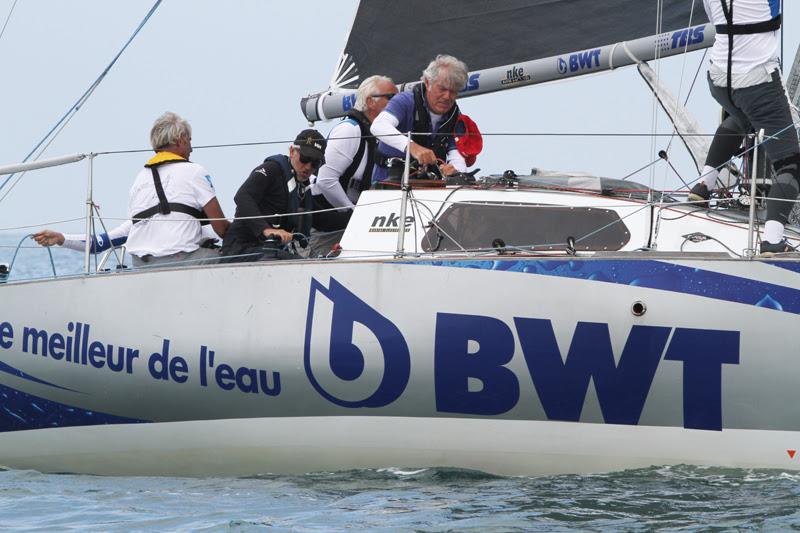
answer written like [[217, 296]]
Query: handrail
[[401, 233], [751, 251], [16, 251]]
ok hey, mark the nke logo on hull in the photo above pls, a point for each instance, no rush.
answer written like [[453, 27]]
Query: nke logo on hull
[[356, 357]]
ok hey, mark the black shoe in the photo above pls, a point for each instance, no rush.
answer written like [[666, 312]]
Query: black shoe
[[769, 249], [699, 195]]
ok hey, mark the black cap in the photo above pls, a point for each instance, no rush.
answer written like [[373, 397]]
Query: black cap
[[311, 143]]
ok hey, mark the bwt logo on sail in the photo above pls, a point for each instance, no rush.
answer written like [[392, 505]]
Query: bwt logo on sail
[[579, 61], [356, 357]]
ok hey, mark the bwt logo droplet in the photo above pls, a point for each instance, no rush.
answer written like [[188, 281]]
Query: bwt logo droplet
[[354, 356]]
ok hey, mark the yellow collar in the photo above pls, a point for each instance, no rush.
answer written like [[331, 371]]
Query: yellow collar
[[164, 157]]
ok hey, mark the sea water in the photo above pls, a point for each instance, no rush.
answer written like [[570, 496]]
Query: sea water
[[685, 498], [677, 498]]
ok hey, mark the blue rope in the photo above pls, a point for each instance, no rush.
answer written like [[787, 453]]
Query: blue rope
[[85, 96], [16, 251]]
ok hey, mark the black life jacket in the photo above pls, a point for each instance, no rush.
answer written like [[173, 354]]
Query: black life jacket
[[165, 207], [730, 29], [301, 222], [439, 141], [370, 145]]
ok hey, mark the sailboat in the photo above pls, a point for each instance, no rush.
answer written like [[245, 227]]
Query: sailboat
[[521, 325]]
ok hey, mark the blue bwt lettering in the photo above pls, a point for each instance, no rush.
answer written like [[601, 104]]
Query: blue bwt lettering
[[500, 391], [562, 383]]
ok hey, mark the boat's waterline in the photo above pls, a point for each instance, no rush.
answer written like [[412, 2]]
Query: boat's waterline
[[238, 447]]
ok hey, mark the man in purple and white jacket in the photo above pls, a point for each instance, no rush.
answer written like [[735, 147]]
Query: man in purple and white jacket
[[429, 110]]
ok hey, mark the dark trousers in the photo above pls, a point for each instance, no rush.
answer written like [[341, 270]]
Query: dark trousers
[[763, 106]]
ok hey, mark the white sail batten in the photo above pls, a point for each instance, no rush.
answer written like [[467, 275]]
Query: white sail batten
[[332, 104], [43, 163]]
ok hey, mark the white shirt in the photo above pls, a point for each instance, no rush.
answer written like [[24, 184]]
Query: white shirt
[[750, 52], [385, 128], [161, 235], [343, 142]]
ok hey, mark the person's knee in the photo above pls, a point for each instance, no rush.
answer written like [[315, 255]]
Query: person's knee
[[787, 170], [724, 146]]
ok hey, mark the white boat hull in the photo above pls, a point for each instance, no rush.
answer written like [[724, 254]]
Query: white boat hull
[[509, 365], [240, 447]]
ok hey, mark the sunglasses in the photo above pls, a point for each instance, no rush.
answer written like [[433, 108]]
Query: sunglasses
[[388, 96], [316, 163]]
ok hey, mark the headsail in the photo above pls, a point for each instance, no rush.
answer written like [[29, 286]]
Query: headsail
[[506, 44], [686, 125], [792, 86]]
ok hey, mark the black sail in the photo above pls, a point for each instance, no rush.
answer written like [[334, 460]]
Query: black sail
[[398, 38]]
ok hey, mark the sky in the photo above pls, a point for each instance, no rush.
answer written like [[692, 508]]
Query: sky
[[237, 70]]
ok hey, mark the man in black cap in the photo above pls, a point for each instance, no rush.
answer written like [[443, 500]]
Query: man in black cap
[[279, 186]]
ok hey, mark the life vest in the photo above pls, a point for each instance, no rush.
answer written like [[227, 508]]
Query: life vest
[[164, 206], [440, 139], [296, 204], [369, 144]]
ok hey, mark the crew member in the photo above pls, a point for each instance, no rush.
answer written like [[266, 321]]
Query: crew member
[[272, 200], [745, 79], [170, 199], [429, 108], [349, 162]]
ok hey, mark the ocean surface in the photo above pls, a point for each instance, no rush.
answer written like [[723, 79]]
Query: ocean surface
[[678, 498]]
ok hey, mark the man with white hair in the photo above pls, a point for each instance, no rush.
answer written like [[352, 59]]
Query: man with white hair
[[429, 108], [169, 200], [349, 162]]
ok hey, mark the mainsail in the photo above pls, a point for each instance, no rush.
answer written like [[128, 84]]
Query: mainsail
[[509, 43]]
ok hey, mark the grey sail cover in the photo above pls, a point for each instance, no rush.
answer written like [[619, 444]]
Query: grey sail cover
[[398, 38]]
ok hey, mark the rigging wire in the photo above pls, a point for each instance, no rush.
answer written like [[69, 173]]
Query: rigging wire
[[686, 101], [680, 83], [654, 112], [64, 120], [483, 134], [3, 30]]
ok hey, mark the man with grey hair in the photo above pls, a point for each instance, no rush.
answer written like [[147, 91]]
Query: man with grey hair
[[349, 162], [429, 109], [170, 199]]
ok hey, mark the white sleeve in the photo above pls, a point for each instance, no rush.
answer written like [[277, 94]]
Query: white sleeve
[[117, 236], [201, 186], [385, 128], [455, 158], [74, 241], [342, 146]]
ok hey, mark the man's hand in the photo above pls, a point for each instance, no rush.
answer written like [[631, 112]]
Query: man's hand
[[48, 237], [284, 235], [422, 154], [447, 169]]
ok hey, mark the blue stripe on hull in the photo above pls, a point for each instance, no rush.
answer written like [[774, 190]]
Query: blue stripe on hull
[[21, 411], [652, 275], [8, 369]]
